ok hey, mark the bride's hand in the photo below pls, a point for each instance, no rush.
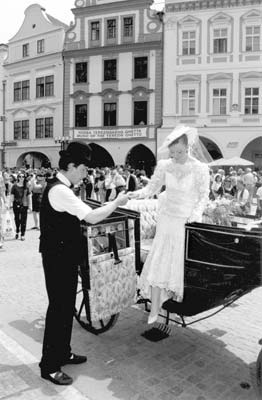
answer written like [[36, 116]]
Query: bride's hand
[[132, 195]]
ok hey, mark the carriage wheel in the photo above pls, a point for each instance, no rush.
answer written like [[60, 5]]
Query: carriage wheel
[[259, 373], [82, 315]]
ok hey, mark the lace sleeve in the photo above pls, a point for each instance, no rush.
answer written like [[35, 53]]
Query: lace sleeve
[[202, 192], [156, 182]]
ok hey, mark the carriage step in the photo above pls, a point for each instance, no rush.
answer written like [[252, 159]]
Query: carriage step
[[158, 333]]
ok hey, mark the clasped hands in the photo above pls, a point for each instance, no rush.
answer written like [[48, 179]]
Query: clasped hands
[[123, 198]]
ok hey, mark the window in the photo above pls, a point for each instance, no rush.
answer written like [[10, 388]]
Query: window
[[252, 38], [109, 70], [219, 101], [141, 67], [25, 90], [45, 86], [21, 129], [81, 115], [188, 43], [44, 128], [21, 90], [40, 46], [81, 72], [49, 85], [140, 113], [220, 40], [109, 114], [111, 29], [95, 28], [251, 100], [128, 27], [26, 50], [188, 102]]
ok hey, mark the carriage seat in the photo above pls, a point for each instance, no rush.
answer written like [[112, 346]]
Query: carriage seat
[[148, 216]]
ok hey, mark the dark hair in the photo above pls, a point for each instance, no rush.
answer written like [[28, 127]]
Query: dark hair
[[183, 138]]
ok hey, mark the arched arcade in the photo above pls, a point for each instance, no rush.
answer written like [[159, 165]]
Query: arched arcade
[[100, 157], [141, 157], [212, 148], [33, 159]]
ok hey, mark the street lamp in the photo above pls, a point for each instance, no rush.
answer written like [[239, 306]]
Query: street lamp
[[64, 141]]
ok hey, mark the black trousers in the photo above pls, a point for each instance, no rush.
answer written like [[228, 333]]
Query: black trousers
[[20, 213], [61, 285]]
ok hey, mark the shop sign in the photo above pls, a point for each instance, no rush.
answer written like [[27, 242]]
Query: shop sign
[[10, 143], [100, 134]]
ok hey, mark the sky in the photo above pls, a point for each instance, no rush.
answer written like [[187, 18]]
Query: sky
[[12, 14]]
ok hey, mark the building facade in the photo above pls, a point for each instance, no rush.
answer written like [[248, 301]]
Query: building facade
[[34, 90], [113, 70], [213, 74], [3, 55]]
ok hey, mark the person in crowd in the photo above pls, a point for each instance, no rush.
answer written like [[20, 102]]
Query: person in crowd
[[142, 180], [60, 245], [131, 180], [100, 184], [118, 181], [89, 182], [187, 188], [3, 205], [109, 185], [249, 182], [222, 173], [37, 187], [259, 202], [240, 172], [6, 177], [242, 195], [229, 190], [217, 187], [19, 201]]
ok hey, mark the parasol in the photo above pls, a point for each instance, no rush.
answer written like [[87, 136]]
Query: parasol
[[228, 162]]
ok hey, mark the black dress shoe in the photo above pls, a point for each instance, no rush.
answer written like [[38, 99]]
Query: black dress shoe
[[60, 378], [75, 359]]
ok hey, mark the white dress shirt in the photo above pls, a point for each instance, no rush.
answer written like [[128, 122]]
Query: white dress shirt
[[62, 199]]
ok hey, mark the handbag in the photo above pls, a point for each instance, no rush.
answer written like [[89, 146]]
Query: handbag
[[8, 230]]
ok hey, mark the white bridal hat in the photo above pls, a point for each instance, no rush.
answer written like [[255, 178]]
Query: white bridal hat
[[176, 133], [196, 147]]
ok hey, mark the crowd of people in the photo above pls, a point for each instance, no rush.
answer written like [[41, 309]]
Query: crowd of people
[[244, 185], [21, 189]]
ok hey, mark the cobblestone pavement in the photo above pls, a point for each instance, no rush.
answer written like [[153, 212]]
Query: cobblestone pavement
[[213, 359]]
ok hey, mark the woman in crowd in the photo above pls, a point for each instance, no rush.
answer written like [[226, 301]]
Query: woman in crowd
[[228, 189], [20, 200], [187, 187], [37, 187], [2, 207], [242, 196], [217, 187]]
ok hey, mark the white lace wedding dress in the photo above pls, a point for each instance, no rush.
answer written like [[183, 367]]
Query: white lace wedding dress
[[185, 197]]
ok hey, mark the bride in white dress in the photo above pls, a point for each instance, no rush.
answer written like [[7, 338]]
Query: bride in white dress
[[187, 188]]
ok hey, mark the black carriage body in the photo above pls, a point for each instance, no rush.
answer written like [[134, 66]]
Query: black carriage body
[[221, 264]]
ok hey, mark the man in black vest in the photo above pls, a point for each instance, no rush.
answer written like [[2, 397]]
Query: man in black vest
[[60, 216]]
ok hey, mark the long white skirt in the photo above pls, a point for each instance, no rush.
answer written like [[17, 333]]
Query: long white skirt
[[164, 266]]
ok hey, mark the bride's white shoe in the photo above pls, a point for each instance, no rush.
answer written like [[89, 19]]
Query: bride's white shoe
[[151, 319]]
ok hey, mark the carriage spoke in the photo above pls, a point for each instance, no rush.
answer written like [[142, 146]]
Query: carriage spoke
[[81, 308]]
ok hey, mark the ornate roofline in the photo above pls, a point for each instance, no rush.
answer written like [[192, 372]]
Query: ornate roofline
[[209, 4]]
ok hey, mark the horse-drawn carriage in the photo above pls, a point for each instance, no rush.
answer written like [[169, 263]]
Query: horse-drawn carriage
[[222, 263]]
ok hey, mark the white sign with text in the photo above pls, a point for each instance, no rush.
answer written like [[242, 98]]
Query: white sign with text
[[125, 133]]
